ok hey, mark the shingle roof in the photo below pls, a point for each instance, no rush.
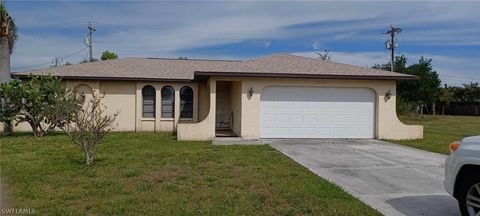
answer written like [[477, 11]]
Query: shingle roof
[[278, 65], [131, 68]]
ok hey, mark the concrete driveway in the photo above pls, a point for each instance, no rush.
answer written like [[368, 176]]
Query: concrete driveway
[[394, 179]]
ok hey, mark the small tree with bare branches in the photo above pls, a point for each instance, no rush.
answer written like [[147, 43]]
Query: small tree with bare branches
[[325, 55], [89, 125]]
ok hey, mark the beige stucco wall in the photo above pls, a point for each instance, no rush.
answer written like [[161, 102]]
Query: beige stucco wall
[[205, 129], [236, 106], [22, 127], [203, 100], [120, 98], [125, 98], [387, 124]]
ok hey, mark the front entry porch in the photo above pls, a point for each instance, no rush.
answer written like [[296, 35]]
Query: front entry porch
[[227, 109], [220, 109]]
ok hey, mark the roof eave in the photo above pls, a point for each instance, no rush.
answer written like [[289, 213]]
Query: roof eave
[[23, 76], [199, 74]]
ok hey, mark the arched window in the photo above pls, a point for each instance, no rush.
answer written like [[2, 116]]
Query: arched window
[[148, 95], [186, 102], [168, 102]]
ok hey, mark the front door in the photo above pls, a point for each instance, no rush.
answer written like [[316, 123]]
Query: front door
[[223, 108]]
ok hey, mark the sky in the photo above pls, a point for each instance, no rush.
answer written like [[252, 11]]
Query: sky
[[446, 31]]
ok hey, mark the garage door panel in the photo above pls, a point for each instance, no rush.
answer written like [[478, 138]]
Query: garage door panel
[[269, 117], [324, 132], [282, 117], [302, 112], [296, 117], [309, 116], [323, 117], [296, 131]]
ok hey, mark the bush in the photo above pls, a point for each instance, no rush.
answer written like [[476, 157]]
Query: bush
[[42, 101], [89, 125]]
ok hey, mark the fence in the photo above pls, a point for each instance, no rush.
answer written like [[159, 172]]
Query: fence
[[462, 108]]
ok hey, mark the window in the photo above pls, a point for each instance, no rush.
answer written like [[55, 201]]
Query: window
[[168, 102], [148, 95], [186, 102]]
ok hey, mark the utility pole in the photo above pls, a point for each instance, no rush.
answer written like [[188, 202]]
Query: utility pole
[[91, 29], [392, 43]]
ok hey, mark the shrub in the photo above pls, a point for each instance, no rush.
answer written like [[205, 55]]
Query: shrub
[[89, 125], [41, 101]]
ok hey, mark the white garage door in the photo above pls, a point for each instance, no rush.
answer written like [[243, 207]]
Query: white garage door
[[311, 112]]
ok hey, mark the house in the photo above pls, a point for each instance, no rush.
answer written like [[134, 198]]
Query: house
[[277, 96]]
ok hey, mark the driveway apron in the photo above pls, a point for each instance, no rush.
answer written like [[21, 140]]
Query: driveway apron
[[394, 179]]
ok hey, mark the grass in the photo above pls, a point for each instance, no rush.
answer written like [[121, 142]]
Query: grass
[[440, 131], [153, 174]]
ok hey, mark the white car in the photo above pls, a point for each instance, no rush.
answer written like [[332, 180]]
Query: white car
[[462, 174]]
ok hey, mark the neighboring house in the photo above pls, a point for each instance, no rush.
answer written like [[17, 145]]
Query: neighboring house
[[277, 96]]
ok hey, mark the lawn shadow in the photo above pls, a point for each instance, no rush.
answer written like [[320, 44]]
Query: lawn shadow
[[30, 134]]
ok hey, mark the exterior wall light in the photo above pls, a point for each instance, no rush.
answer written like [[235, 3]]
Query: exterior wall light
[[388, 95], [82, 96], [250, 92]]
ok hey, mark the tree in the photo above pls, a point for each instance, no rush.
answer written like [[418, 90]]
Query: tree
[[325, 55], [89, 125], [445, 97], [400, 65], [420, 92], [467, 93], [67, 63], [108, 55], [8, 37], [425, 90], [10, 97], [42, 101]]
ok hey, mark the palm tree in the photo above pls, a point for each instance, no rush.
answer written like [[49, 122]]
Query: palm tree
[[8, 37]]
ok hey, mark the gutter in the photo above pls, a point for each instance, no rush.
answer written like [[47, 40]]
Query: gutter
[[23, 76], [309, 76]]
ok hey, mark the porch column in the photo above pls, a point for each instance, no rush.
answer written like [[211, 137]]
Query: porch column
[[138, 107], [177, 108]]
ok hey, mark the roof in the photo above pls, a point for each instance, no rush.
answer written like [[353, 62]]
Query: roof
[[278, 65]]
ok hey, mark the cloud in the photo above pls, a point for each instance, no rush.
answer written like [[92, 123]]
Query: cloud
[[261, 43], [172, 29], [317, 45], [452, 70]]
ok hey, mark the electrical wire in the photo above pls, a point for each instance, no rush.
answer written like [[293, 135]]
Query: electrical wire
[[37, 65], [46, 63], [74, 53]]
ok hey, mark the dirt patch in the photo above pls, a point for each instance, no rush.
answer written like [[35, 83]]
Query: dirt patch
[[165, 175]]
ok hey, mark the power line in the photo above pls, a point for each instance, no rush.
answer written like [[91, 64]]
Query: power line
[[37, 65], [47, 63], [74, 53], [460, 77], [59, 60]]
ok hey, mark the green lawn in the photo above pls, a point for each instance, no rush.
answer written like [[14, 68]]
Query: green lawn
[[440, 131], [152, 174]]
